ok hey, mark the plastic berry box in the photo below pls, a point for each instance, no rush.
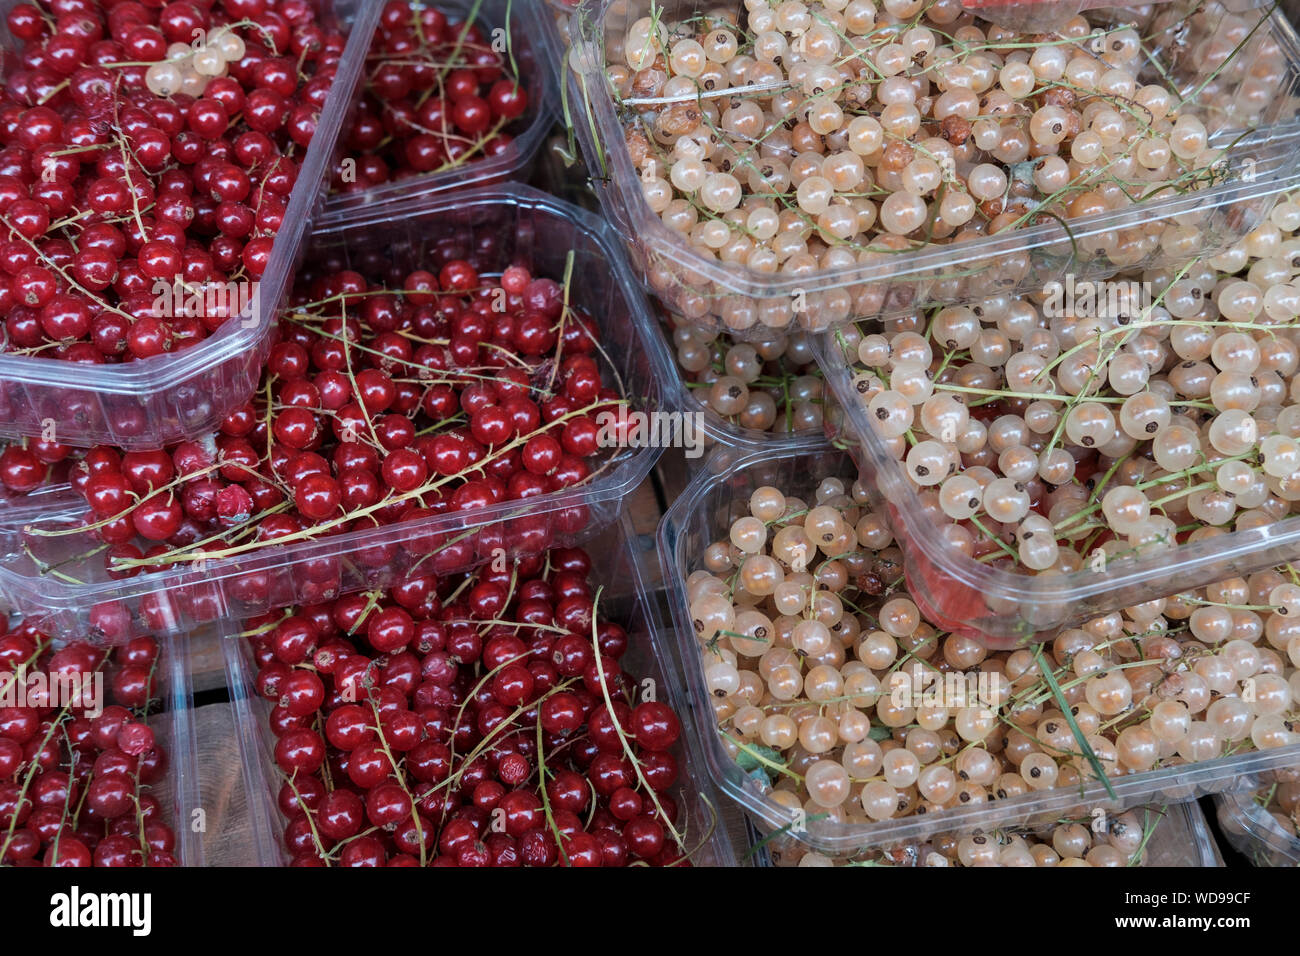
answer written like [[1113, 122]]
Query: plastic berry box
[[493, 227], [1001, 608], [522, 31], [625, 599], [702, 515], [182, 395], [1253, 832], [1180, 838], [171, 720], [1260, 163]]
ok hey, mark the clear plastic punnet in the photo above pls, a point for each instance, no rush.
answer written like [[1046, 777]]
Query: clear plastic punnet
[[1253, 830], [1174, 835], [181, 395], [63, 580], [842, 271], [169, 715], [702, 516], [1001, 607], [519, 29], [625, 599]]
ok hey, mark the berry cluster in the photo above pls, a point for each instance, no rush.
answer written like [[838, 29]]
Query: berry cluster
[[477, 720], [35, 463], [1057, 432], [826, 676], [131, 157], [75, 789], [410, 396], [770, 384], [438, 96]]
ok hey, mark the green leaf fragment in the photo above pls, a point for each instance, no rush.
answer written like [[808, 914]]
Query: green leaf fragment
[[754, 756]]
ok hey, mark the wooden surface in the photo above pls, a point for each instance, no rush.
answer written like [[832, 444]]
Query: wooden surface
[[207, 672], [229, 837]]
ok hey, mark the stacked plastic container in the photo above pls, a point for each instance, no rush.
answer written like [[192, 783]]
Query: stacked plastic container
[[494, 227]]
